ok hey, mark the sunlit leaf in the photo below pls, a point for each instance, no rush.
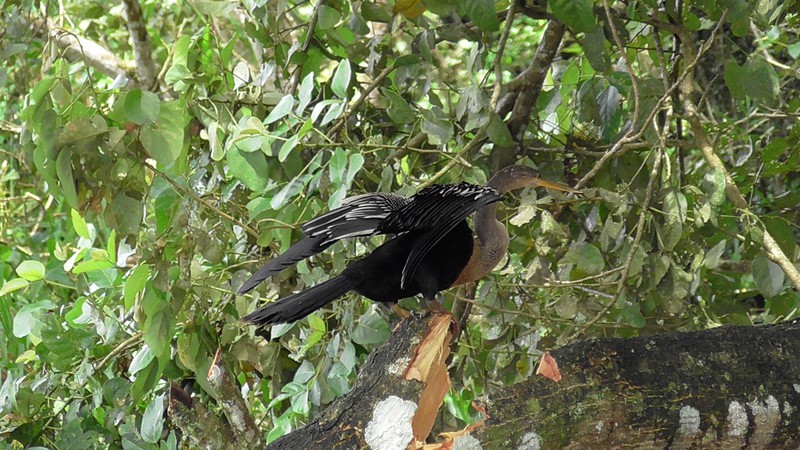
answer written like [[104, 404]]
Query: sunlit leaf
[[341, 79], [163, 139], [280, 111], [576, 14], [31, 270], [768, 276], [153, 420]]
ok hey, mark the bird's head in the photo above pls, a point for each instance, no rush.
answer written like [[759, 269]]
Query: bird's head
[[514, 177]]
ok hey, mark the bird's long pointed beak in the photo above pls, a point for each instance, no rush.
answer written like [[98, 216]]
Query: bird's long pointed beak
[[554, 185]]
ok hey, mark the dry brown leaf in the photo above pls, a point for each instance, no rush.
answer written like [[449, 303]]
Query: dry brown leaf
[[548, 367]]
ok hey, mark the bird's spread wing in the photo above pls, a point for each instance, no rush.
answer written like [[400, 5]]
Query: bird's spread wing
[[437, 209], [358, 216]]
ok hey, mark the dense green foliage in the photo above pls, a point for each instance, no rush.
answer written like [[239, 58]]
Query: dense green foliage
[[130, 211]]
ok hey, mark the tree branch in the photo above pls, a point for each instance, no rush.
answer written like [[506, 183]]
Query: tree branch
[[531, 85], [143, 55], [701, 390], [93, 55]]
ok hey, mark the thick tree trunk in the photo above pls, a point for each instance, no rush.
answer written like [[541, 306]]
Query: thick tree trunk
[[731, 387]]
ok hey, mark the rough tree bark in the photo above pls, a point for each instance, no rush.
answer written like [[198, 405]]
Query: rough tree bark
[[730, 387]]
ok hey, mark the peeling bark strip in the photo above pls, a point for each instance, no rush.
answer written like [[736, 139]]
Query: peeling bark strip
[[731, 387]]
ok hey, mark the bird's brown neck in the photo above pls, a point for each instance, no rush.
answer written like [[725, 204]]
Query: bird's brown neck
[[490, 246]]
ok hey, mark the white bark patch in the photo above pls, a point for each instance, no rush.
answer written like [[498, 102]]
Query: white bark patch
[[531, 441], [796, 387], [467, 442], [398, 367], [689, 420], [390, 427], [766, 415], [737, 419], [788, 409]]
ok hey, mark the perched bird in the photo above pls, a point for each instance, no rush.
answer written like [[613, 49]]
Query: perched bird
[[433, 249]]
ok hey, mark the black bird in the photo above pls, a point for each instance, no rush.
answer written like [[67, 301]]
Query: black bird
[[433, 248]]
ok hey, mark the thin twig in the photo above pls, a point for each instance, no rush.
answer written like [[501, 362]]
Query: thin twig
[[127, 343], [201, 200], [498, 59], [634, 82], [355, 104]]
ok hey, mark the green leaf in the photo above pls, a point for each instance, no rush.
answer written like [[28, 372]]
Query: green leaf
[[142, 106], [399, 110], [280, 111], [249, 168], [158, 330], [675, 206], [376, 12], [438, 127], [80, 225], [756, 79], [327, 17], [26, 319], [586, 257], [498, 131], [334, 111], [163, 139], [65, 178], [576, 14], [125, 214], [633, 316], [306, 90], [714, 186], [12, 285], [291, 189], [482, 13], [146, 380], [371, 329], [594, 46], [111, 246], [31, 270], [153, 420], [768, 276], [141, 359], [99, 260], [713, 255], [356, 163], [341, 79], [287, 148]]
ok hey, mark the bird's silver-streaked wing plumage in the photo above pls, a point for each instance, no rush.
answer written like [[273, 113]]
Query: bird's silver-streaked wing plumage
[[437, 209]]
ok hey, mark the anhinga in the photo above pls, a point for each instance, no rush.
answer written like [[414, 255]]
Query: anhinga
[[433, 248]]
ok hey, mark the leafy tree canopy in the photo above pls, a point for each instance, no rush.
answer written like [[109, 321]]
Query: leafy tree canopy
[[149, 149]]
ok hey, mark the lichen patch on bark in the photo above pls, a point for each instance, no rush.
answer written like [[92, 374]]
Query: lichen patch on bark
[[390, 427], [689, 420]]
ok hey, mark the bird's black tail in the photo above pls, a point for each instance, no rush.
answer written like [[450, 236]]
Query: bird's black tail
[[299, 305], [308, 246]]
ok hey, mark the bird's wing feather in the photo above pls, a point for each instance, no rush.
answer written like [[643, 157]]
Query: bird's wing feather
[[438, 209], [306, 247], [358, 216]]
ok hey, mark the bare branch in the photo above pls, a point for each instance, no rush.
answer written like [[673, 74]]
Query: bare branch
[[531, 86], [143, 55]]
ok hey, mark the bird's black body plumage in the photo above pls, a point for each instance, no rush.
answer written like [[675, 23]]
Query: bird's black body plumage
[[377, 277], [432, 245]]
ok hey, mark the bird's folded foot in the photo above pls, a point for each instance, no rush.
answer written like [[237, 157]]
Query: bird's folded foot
[[399, 311]]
